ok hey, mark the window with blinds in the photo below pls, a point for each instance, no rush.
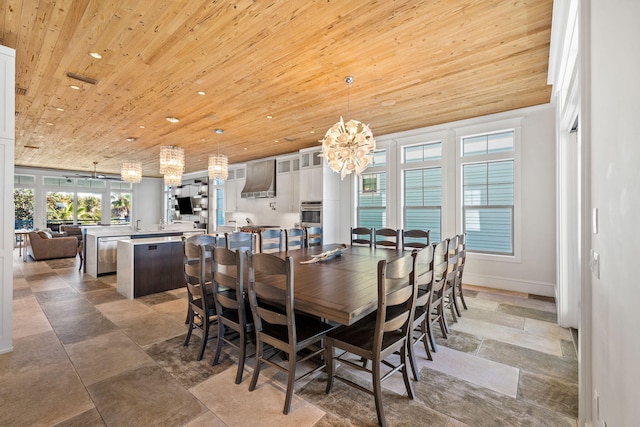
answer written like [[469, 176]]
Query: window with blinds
[[423, 200], [372, 200], [488, 206]]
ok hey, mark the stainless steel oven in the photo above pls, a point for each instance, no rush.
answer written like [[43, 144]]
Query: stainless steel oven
[[311, 214]]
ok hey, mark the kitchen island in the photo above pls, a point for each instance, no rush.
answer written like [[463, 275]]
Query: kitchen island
[[101, 243], [149, 265]]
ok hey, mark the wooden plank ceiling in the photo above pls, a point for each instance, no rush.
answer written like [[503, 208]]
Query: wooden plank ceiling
[[415, 63]]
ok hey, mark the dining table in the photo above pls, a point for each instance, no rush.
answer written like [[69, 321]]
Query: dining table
[[343, 288]]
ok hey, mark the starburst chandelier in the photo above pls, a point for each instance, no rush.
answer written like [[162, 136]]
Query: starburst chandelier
[[348, 146], [131, 172]]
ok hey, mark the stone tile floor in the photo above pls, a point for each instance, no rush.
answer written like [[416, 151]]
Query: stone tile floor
[[84, 355]]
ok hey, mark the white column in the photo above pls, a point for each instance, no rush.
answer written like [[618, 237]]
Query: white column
[[7, 212]]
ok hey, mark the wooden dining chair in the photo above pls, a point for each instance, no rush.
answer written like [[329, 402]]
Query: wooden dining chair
[[362, 236], [386, 238], [462, 258], [423, 274], [202, 313], [198, 239], [380, 335], [294, 238], [281, 329], [436, 310], [231, 305], [270, 240], [240, 240], [449, 293], [313, 236], [415, 239]]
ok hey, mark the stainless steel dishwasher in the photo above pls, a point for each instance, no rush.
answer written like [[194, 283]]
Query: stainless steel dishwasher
[[108, 253]]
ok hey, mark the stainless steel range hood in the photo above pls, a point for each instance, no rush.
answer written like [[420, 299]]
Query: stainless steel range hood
[[261, 180]]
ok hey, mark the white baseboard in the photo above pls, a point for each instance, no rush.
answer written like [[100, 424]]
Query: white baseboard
[[526, 286]]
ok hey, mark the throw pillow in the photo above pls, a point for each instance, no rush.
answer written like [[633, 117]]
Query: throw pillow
[[44, 234]]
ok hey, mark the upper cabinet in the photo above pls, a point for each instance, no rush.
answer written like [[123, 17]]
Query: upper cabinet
[[287, 184], [232, 188], [311, 175]]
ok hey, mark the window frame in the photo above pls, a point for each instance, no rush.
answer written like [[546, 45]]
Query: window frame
[[514, 155]]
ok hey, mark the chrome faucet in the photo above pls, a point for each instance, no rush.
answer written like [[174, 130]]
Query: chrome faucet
[[138, 228]]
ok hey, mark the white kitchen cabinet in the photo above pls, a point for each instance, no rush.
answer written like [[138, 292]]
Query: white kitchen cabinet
[[311, 184], [310, 175], [232, 188], [287, 193]]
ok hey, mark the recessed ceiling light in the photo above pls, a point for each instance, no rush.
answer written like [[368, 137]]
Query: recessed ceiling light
[[269, 117], [201, 92], [60, 109], [172, 119], [75, 87], [141, 126], [245, 148], [49, 124], [219, 131], [132, 139], [388, 103], [313, 131], [95, 55]]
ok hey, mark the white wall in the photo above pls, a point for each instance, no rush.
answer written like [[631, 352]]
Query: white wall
[[613, 95], [7, 213]]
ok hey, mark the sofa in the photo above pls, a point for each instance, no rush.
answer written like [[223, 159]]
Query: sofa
[[42, 245]]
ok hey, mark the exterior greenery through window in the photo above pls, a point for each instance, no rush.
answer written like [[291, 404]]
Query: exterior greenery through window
[[120, 208], [488, 193], [372, 194], [23, 202]]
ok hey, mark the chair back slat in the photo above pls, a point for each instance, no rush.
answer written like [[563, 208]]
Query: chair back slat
[[415, 239], [362, 236], [387, 237], [313, 236], [271, 241], [294, 238], [240, 240]]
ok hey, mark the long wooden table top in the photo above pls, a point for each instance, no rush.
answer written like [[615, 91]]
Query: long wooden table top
[[342, 289]]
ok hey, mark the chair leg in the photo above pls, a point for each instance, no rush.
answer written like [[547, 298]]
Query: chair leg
[[454, 294], [412, 357], [424, 330], [190, 330], [258, 363], [205, 337], [291, 379], [405, 370], [219, 343], [432, 339], [241, 356], [377, 392], [328, 357], [464, 303]]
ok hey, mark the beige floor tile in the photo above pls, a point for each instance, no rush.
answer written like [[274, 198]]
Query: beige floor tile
[[482, 304], [486, 373], [172, 307], [235, 405], [496, 317], [28, 318], [546, 329], [47, 284], [20, 283], [42, 396], [152, 328], [509, 335], [208, 419], [123, 310], [106, 355], [518, 301]]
